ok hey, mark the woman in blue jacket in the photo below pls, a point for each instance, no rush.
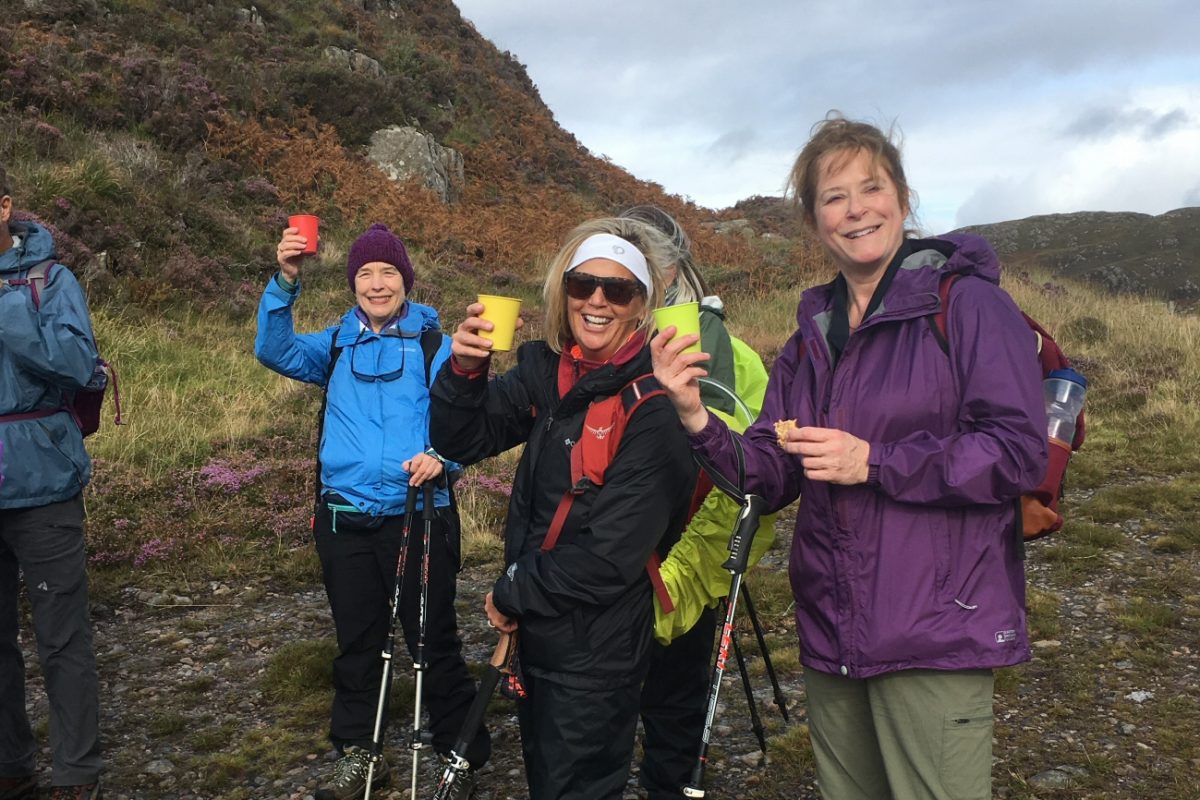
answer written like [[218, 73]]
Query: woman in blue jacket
[[374, 450]]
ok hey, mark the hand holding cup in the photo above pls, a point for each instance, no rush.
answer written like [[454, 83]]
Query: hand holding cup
[[477, 337], [288, 254]]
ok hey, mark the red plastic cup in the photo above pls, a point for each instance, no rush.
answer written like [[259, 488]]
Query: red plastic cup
[[308, 227]]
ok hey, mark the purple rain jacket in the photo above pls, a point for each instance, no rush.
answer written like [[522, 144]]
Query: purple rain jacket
[[920, 567]]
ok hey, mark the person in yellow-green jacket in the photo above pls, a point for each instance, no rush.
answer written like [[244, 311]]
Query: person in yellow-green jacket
[[674, 696]]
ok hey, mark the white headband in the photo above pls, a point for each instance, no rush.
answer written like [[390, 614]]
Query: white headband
[[614, 248]]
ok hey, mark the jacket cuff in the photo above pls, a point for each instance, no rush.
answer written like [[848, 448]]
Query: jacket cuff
[[468, 373], [710, 436], [280, 288], [500, 592], [873, 459]]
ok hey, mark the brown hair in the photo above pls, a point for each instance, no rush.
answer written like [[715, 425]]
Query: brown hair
[[844, 139], [652, 244]]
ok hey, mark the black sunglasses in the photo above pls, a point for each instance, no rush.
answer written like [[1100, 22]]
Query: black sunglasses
[[618, 291], [382, 377]]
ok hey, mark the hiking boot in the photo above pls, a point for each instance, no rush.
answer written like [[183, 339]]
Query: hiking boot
[[349, 777], [462, 788], [21, 787], [89, 791]]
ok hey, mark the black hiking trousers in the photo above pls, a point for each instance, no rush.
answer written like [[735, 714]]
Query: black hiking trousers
[[674, 703], [577, 743], [359, 570]]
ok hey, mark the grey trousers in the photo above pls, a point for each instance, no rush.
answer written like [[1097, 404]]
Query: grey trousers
[[46, 543]]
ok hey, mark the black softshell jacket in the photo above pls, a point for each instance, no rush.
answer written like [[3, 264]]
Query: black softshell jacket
[[585, 608]]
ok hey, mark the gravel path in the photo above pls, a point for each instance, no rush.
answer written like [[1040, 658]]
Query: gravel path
[[1104, 710]]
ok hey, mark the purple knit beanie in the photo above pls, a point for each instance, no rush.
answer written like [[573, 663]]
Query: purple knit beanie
[[379, 244]]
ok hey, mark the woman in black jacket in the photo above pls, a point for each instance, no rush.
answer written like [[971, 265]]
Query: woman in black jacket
[[583, 608]]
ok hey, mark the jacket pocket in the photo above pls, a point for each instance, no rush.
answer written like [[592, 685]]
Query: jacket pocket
[[939, 534], [345, 518], [966, 768]]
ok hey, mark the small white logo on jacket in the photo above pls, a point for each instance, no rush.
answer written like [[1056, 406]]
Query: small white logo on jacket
[[599, 433]]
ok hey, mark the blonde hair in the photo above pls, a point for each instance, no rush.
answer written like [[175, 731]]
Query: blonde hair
[[844, 139], [653, 245]]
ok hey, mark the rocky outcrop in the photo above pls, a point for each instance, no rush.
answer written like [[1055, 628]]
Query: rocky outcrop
[[354, 61], [405, 153]]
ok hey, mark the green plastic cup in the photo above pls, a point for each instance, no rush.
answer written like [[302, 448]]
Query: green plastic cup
[[502, 313], [686, 319]]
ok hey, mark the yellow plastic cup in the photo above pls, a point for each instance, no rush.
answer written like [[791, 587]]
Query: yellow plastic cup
[[502, 313], [686, 319]]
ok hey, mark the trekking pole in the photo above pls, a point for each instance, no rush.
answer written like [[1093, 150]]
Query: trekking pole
[[739, 555], [419, 665], [755, 719], [385, 685], [780, 701], [458, 766]]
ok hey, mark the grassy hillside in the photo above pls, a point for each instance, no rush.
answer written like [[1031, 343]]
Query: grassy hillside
[[167, 141]]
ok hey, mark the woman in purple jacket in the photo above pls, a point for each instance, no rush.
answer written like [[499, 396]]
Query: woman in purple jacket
[[910, 458]]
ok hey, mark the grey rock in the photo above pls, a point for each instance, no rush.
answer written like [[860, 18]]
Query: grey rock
[[405, 153], [159, 766], [1051, 779], [354, 61]]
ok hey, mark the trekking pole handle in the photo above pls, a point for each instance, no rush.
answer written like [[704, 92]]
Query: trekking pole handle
[[501, 653], [753, 507]]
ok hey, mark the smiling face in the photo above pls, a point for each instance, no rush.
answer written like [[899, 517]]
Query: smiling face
[[599, 326], [379, 287], [859, 214]]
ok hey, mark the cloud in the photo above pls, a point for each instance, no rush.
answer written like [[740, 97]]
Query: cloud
[[732, 146], [1167, 123], [1192, 196], [1005, 114], [1100, 123]]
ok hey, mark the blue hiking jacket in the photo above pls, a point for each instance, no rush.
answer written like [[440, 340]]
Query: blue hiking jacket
[[46, 354], [377, 413]]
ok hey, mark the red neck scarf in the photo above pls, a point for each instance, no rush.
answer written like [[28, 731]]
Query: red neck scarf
[[572, 365]]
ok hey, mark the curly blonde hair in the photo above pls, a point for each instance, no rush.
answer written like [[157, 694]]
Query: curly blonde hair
[[653, 245]]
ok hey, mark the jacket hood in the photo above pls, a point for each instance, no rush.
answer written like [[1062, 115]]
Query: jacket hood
[[415, 319], [914, 290], [37, 245]]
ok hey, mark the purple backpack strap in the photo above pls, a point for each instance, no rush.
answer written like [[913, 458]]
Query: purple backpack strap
[[37, 273]]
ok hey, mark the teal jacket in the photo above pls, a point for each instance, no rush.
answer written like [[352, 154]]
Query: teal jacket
[[46, 355]]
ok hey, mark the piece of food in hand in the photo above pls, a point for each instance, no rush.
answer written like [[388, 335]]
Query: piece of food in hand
[[781, 430]]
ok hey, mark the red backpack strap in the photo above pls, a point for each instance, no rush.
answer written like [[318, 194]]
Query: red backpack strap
[[937, 323], [603, 427]]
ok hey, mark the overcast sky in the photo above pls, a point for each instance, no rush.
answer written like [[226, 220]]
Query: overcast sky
[[1008, 108]]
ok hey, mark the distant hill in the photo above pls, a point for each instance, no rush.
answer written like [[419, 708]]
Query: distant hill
[[1120, 251], [1157, 256]]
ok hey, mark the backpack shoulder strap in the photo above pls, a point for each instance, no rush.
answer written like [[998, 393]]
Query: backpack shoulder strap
[[38, 273], [937, 322], [431, 342], [334, 353], [603, 427]]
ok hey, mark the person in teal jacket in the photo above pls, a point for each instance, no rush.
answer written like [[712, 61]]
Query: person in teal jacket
[[47, 353], [373, 450]]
